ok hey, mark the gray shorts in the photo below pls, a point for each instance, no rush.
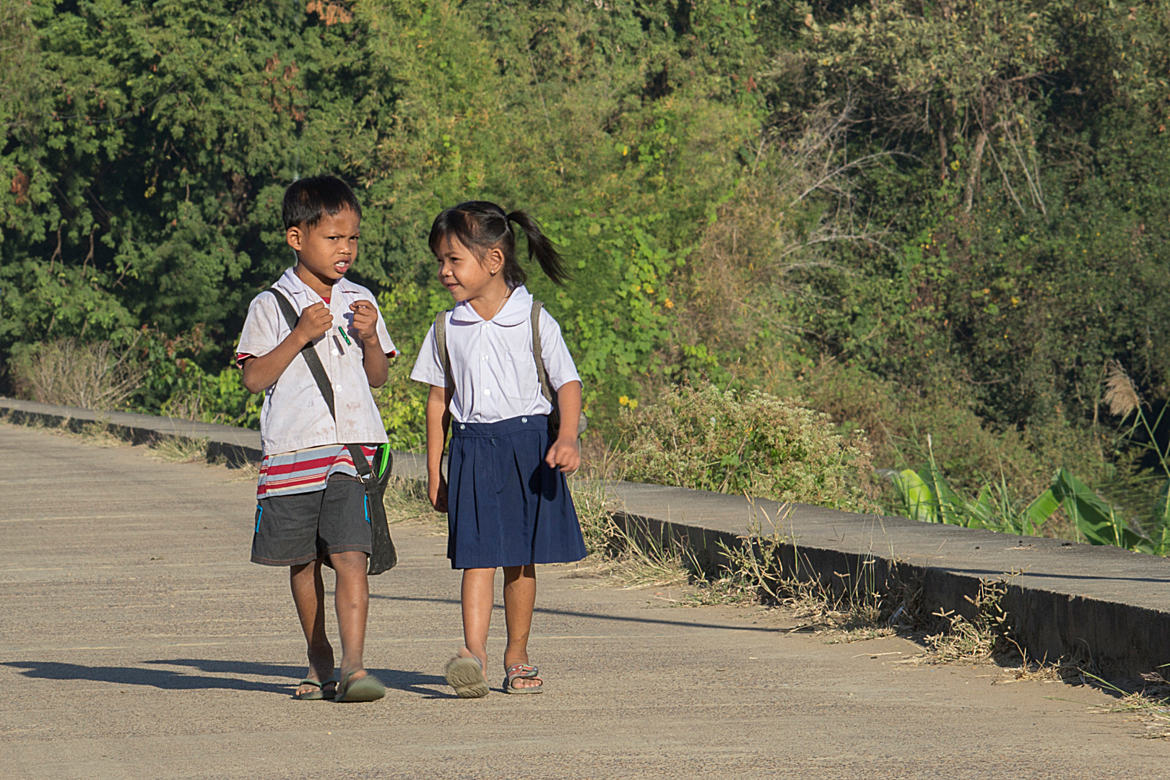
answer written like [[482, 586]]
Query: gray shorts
[[301, 528]]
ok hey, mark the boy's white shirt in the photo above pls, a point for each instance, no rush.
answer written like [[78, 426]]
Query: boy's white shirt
[[492, 364], [294, 415]]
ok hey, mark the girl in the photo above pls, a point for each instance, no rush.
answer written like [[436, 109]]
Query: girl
[[506, 501]]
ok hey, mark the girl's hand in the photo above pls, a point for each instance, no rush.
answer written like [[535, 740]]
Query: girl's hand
[[365, 320], [564, 454], [437, 491]]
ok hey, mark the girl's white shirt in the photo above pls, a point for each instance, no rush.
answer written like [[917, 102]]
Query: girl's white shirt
[[294, 415], [492, 365]]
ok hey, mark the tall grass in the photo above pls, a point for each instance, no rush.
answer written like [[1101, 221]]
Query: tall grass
[[924, 494]]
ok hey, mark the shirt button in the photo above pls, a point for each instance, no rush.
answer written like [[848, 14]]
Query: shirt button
[[337, 388], [336, 353], [487, 392], [462, 427], [523, 419]]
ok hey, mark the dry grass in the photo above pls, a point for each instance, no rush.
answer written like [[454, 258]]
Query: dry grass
[[978, 639], [97, 434], [406, 501], [1151, 704], [97, 375], [180, 449], [1120, 395]]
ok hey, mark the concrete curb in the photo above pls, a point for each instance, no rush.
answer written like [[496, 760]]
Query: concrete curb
[[1063, 600]]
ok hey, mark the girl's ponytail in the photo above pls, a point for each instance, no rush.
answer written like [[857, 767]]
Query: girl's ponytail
[[539, 246], [481, 225]]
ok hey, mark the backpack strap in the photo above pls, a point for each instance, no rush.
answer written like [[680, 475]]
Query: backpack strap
[[307, 352], [441, 345], [541, 371]]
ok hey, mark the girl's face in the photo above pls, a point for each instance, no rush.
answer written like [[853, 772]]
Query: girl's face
[[466, 276]]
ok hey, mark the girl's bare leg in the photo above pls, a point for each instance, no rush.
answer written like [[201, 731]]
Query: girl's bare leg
[[352, 600], [476, 597], [519, 602], [308, 593]]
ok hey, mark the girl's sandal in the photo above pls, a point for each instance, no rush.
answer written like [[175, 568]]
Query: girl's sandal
[[522, 672], [465, 674]]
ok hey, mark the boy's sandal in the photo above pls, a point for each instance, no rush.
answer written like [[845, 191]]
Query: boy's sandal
[[465, 674], [366, 688], [320, 690], [522, 672]]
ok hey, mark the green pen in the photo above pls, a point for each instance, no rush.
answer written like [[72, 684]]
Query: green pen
[[345, 336], [384, 460]]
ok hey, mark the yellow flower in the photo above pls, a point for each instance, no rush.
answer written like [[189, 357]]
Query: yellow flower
[[633, 403], [623, 400], [668, 303]]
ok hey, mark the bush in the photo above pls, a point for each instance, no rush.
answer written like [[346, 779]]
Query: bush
[[720, 440], [99, 375], [971, 451]]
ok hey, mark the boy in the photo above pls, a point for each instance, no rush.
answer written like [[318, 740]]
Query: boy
[[310, 502]]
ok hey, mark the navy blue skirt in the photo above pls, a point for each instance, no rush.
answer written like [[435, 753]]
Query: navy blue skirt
[[505, 506]]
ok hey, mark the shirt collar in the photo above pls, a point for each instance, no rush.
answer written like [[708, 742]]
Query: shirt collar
[[516, 310], [294, 286]]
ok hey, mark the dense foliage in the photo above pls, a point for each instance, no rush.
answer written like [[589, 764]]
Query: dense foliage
[[918, 217], [749, 444]]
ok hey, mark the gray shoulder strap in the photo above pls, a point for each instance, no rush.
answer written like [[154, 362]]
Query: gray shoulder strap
[[441, 345], [541, 372]]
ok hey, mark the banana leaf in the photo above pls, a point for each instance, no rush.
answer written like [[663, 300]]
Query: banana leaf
[[1093, 517], [1038, 512], [917, 497]]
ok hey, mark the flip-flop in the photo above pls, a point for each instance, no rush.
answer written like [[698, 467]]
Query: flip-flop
[[522, 672], [366, 688], [465, 675], [314, 695]]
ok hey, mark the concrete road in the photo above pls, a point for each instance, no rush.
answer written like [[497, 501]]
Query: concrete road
[[137, 641]]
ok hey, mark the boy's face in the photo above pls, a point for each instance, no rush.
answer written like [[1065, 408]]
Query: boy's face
[[326, 250]]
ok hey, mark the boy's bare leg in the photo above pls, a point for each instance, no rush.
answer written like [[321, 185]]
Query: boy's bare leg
[[519, 602], [352, 599], [308, 592], [476, 596]]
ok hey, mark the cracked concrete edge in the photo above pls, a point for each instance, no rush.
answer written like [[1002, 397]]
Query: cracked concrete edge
[[1109, 636]]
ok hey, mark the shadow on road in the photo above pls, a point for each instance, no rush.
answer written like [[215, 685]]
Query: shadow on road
[[613, 618], [171, 680]]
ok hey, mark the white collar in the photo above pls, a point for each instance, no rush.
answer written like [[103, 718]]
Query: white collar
[[292, 284], [516, 310]]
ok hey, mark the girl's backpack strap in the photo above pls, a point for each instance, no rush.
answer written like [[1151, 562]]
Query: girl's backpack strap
[[441, 344], [541, 372]]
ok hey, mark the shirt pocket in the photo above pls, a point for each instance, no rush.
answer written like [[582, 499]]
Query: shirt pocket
[[520, 382]]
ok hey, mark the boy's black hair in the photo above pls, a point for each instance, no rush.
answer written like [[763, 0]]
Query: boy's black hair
[[481, 225], [307, 200]]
